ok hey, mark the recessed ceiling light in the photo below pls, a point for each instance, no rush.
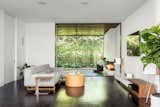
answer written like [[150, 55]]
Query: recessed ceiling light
[[84, 2], [41, 2]]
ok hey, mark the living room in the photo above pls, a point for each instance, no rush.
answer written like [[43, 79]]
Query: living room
[[28, 35]]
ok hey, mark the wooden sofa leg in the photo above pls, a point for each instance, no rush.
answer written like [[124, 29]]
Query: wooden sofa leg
[[51, 89]]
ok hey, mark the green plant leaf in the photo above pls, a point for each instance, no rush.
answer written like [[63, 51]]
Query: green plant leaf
[[150, 47]]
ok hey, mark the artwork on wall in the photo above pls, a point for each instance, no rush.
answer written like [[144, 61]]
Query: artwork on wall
[[133, 44]]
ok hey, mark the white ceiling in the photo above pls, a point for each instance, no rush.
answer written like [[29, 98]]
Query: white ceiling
[[72, 10]]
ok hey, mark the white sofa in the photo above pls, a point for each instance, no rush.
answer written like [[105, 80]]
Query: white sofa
[[42, 70]]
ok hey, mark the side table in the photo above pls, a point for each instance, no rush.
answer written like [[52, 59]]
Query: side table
[[37, 79]]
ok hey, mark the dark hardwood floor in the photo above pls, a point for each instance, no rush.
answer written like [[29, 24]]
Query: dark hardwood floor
[[98, 92]]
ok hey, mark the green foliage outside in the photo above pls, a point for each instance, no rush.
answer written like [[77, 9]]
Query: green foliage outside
[[150, 46], [78, 51], [80, 29], [133, 45]]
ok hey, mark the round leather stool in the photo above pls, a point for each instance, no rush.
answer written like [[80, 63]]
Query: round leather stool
[[76, 80]]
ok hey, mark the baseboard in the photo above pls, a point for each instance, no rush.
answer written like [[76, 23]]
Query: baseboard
[[8, 82], [1, 85]]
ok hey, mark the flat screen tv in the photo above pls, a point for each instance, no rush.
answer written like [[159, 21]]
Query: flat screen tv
[[133, 44]]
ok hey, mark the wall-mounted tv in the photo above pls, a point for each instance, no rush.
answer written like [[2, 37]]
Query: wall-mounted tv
[[133, 44]]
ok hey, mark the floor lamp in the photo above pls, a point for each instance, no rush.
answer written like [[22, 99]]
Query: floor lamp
[[149, 70]]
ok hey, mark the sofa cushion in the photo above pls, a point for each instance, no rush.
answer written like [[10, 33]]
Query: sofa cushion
[[41, 68], [42, 74], [57, 69]]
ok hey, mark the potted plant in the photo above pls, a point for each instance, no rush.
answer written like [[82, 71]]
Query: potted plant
[[22, 68], [150, 49]]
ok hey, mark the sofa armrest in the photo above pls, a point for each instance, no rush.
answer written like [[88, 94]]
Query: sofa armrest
[[27, 76]]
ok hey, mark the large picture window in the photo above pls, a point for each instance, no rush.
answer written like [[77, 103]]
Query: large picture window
[[79, 45]]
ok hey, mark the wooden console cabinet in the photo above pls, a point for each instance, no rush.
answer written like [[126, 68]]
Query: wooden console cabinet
[[141, 89]]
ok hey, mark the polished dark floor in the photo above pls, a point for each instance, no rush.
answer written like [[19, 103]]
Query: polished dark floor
[[98, 92]]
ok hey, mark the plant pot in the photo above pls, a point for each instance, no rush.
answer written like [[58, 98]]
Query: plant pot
[[155, 100], [157, 80], [157, 70], [157, 83]]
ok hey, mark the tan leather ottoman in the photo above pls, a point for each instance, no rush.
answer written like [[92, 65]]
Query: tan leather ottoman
[[75, 91], [76, 80]]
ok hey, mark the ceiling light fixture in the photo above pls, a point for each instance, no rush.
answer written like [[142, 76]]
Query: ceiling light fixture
[[84, 2], [42, 2]]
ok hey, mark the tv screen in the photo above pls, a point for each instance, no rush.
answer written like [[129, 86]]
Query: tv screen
[[133, 44]]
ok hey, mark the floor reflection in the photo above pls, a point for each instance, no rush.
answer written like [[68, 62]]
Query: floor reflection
[[93, 93], [97, 92], [74, 92]]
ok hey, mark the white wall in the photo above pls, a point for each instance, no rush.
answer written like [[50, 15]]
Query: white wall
[[7, 47], [109, 44], [19, 46], [112, 43], [142, 18], [157, 2], [40, 43], [1, 47], [118, 41], [11, 50]]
